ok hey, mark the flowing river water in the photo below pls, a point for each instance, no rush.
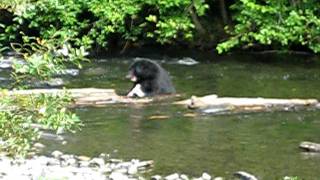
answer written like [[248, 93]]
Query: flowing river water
[[264, 144]]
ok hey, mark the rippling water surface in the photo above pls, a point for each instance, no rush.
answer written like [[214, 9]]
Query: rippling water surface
[[265, 144]]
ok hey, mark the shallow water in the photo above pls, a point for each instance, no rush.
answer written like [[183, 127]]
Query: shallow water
[[265, 144]]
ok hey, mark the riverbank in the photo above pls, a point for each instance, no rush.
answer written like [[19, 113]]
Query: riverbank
[[68, 166]]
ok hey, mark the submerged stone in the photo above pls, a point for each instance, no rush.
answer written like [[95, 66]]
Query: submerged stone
[[206, 176], [172, 177], [245, 175], [187, 61], [156, 177]]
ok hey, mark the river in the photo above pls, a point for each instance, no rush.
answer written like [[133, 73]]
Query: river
[[264, 144]]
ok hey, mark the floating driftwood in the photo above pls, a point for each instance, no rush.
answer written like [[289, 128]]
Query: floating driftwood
[[86, 96], [310, 146], [215, 104]]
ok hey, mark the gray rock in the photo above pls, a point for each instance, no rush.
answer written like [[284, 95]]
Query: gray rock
[[56, 154], [53, 162], [244, 176], [125, 164], [60, 131], [104, 156], [106, 170], [184, 177], [66, 157], [51, 136], [83, 158], [7, 62], [172, 176], [54, 82], [39, 145], [3, 78], [156, 177], [121, 170], [97, 162], [70, 72], [144, 164], [84, 163], [132, 169], [42, 160], [71, 162], [206, 176], [187, 61], [115, 160], [118, 176]]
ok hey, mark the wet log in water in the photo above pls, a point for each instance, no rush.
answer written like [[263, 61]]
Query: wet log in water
[[86, 96], [310, 146], [215, 104], [209, 104]]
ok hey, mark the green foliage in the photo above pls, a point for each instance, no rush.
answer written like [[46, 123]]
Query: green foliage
[[280, 24], [19, 114], [15, 6], [44, 58], [162, 21], [93, 23]]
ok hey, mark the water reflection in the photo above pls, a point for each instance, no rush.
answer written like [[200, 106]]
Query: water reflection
[[265, 144]]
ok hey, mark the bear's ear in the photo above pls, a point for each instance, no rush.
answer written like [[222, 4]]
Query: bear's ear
[[138, 70]]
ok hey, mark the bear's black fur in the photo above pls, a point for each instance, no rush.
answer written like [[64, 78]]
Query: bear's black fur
[[149, 79]]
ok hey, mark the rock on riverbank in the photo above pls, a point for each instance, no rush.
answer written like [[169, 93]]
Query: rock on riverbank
[[67, 166], [64, 166]]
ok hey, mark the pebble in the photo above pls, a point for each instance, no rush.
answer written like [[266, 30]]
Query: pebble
[[7, 62], [206, 176], [104, 156], [83, 158], [71, 162], [187, 61], [66, 166], [118, 176], [84, 163], [184, 177], [39, 145], [70, 72], [156, 177], [132, 169], [172, 177], [97, 162], [56, 154], [245, 175]]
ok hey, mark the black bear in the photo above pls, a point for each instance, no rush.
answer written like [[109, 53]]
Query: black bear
[[149, 79]]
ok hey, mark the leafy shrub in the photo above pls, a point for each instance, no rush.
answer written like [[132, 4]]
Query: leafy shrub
[[19, 114], [280, 24], [44, 58], [94, 23]]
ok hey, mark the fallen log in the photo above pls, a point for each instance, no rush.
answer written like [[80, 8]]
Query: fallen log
[[85, 96], [215, 104], [209, 104], [310, 146]]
